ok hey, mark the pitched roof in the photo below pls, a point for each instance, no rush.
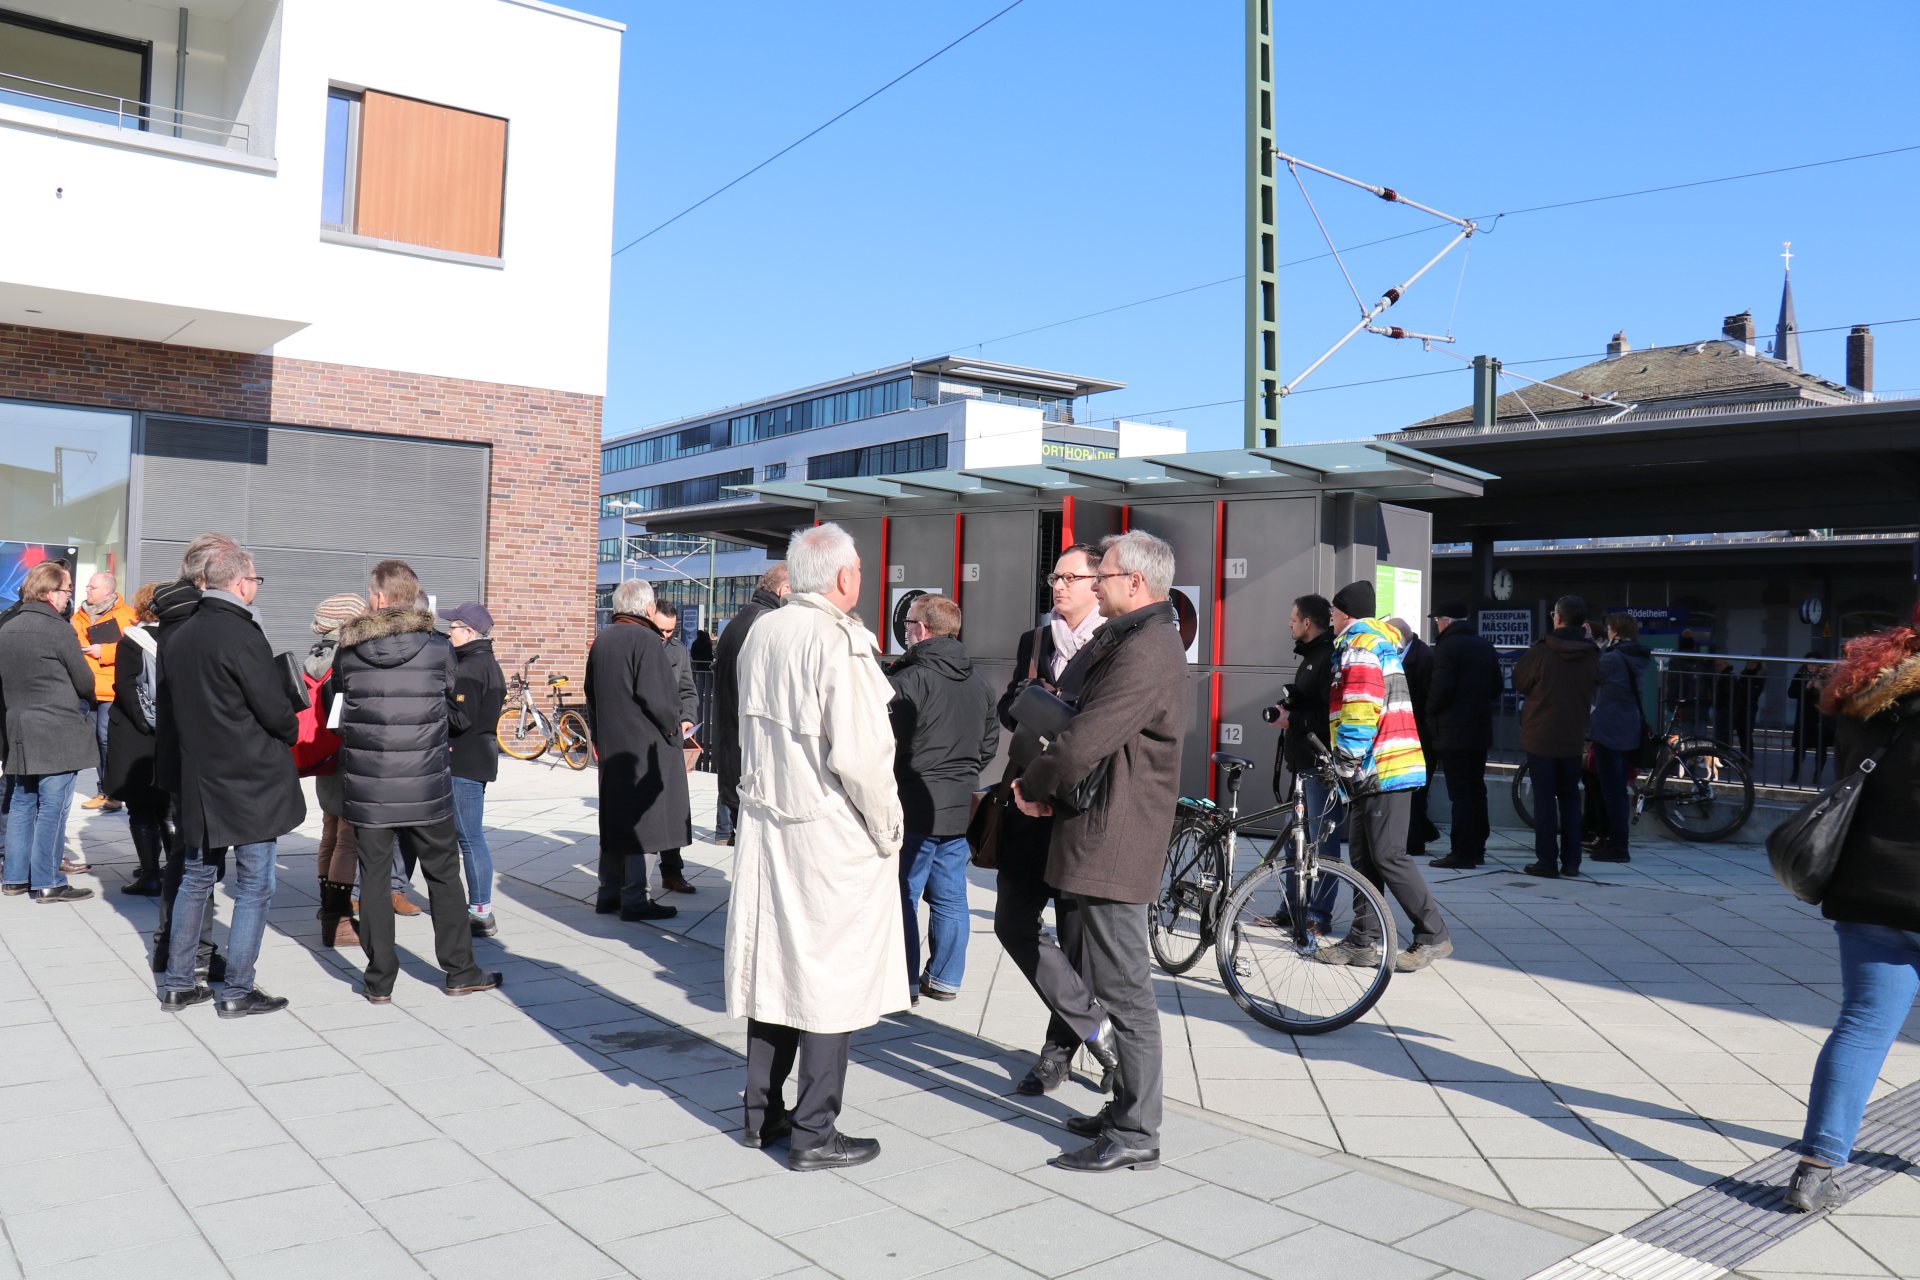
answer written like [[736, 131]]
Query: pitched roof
[[1699, 373]]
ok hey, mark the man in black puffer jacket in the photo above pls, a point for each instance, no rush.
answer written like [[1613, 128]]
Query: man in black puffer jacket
[[944, 733], [395, 675]]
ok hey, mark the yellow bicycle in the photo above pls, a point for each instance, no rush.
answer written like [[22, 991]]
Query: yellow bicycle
[[525, 731]]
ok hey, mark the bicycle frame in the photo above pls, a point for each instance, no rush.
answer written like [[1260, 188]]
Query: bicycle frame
[[1303, 854]]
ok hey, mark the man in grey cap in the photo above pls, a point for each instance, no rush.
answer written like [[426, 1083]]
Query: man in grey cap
[[475, 753]]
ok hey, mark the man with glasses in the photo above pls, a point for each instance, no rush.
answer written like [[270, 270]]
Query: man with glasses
[[1044, 657], [234, 724]]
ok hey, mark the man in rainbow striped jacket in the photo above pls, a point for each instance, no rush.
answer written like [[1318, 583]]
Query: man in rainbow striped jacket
[[1376, 750]]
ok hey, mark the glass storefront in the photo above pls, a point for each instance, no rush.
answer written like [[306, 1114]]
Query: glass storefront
[[63, 491]]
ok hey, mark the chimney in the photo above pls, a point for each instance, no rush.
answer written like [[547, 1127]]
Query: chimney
[[1619, 346], [1860, 361], [1739, 329], [1486, 389]]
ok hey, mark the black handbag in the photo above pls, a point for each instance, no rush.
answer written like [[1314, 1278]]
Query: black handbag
[[1805, 849], [1046, 716], [986, 824]]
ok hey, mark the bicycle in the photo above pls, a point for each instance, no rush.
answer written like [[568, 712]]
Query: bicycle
[[1700, 787], [526, 732], [1265, 929]]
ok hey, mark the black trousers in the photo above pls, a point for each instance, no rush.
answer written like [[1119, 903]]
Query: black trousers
[[1377, 848], [1420, 828], [1556, 811], [1054, 969], [772, 1051], [434, 849], [1120, 967], [1466, 775]]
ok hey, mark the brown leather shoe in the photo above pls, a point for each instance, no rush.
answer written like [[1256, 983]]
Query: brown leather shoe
[[339, 933], [98, 802], [674, 882], [402, 906]]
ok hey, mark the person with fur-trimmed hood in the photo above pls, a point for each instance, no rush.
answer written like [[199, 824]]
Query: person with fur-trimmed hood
[[395, 674], [1376, 748]]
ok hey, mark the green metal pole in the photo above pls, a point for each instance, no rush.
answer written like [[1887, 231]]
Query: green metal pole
[[1262, 406]]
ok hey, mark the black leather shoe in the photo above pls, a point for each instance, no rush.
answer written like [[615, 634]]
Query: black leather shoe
[[1105, 1047], [652, 911], [1088, 1126], [1043, 1077], [175, 1001], [1454, 862], [773, 1129], [60, 893], [145, 887], [605, 906], [839, 1152], [1539, 872], [1105, 1156], [255, 1001], [491, 982]]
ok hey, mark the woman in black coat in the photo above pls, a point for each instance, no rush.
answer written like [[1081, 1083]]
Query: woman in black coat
[[130, 777], [1873, 899], [49, 700], [633, 710]]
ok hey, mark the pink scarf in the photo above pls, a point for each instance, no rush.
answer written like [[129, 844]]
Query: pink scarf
[[1067, 640]]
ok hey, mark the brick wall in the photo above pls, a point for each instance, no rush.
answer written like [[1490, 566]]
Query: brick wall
[[541, 530]]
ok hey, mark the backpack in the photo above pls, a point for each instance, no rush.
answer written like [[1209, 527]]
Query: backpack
[[315, 746]]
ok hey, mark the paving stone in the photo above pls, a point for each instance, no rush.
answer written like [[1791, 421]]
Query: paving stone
[[550, 1252], [1057, 1237], [1162, 1260], [1489, 1246], [1336, 1252], [183, 1258], [738, 1253], [57, 1180], [373, 1255], [203, 1181], [608, 1211], [1574, 1184], [343, 1133], [1371, 1207], [397, 1171], [280, 1221], [1216, 1221], [889, 1245], [518, 1124], [785, 1206], [65, 1133], [445, 1216]]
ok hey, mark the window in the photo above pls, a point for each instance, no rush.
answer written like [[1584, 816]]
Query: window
[[50, 66], [677, 493], [63, 492], [927, 453], [413, 172], [806, 415], [774, 471]]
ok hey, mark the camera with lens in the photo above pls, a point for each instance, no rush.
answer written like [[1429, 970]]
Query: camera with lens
[[1285, 703]]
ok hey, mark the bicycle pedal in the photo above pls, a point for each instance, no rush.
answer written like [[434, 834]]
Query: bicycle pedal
[[1208, 884]]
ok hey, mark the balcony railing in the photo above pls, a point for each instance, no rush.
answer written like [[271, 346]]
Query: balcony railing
[[122, 113]]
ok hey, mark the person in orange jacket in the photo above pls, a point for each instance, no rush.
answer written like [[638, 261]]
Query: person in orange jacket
[[102, 608]]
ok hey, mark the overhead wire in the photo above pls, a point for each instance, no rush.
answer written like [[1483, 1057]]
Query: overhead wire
[[820, 128]]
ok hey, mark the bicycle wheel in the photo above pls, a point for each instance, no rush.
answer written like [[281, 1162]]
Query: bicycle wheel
[[1180, 924], [1266, 950], [522, 732], [1704, 791], [570, 737], [1523, 795]]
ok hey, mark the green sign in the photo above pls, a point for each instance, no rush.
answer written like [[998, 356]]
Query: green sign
[[1066, 451], [1397, 594]]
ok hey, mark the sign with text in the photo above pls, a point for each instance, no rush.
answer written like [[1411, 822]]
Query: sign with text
[[1507, 626], [1398, 594]]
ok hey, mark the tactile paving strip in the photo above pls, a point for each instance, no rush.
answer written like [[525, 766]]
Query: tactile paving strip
[[1744, 1214]]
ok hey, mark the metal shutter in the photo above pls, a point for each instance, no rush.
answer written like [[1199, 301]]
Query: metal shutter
[[318, 509]]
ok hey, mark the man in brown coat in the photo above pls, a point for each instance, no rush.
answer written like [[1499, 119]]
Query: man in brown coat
[[1556, 678], [1109, 839]]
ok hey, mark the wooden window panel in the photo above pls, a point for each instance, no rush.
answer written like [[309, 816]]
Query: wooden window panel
[[431, 175]]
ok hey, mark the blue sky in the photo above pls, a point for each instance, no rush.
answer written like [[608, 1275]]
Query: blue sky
[[1076, 156]]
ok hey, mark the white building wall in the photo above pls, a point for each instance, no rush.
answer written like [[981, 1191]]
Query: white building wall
[[1138, 439], [190, 244]]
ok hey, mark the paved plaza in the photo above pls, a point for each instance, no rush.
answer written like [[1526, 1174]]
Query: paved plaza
[[1594, 1051]]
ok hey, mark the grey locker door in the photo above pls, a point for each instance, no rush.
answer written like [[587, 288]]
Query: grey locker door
[[997, 608]]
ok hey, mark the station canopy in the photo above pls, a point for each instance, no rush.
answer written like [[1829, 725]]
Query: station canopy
[[1377, 469]]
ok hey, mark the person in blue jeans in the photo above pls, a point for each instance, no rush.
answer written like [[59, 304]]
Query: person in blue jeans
[[481, 689], [227, 700], [945, 733], [48, 731], [1873, 900]]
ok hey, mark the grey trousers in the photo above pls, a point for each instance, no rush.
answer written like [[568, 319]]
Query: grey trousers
[[1047, 965], [1377, 848], [1119, 964]]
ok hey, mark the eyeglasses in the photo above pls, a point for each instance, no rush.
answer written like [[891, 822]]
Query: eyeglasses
[[1122, 573], [1055, 579], [257, 580]]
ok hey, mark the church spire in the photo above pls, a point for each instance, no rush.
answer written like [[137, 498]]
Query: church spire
[[1786, 336]]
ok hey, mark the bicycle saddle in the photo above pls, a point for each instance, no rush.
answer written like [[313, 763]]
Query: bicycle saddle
[[552, 680], [1232, 762]]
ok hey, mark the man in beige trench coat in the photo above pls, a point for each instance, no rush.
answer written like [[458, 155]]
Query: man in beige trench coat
[[814, 933]]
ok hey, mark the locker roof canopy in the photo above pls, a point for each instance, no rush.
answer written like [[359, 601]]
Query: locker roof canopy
[[1379, 469]]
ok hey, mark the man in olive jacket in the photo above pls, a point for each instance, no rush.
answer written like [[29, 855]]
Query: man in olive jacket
[[233, 723], [1132, 714]]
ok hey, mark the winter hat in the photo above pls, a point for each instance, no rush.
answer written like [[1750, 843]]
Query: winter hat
[[1355, 599], [336, 611]]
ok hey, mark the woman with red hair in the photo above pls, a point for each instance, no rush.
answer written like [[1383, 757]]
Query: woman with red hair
[[1873, 899]]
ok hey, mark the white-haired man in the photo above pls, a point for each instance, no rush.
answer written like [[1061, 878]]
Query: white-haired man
[[1112, 781], [814, 937], [633, 709]]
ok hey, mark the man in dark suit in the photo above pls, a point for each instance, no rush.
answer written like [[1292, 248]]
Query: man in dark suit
[[666, 620], [234, 725], [1459, 729], [723, 735], [1416, 659]]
